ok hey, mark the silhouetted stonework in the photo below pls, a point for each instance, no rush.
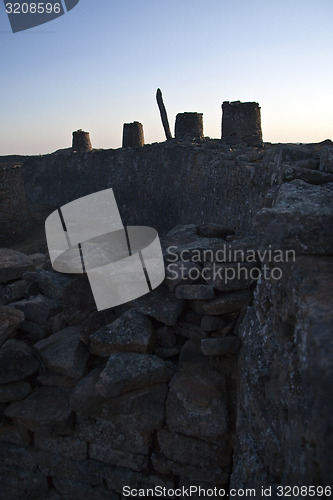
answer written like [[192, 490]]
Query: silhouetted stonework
[[241, 123], [81, 141], [133, 135], [189, 126]]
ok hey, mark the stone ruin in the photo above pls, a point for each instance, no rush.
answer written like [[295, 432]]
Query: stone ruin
[[81, 142], [133, 136], [241, 123], [231, 381]]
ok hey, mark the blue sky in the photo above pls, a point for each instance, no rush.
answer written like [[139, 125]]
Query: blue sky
[[100, 65]]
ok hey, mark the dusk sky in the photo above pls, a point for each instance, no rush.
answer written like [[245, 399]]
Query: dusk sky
[[99, 66]]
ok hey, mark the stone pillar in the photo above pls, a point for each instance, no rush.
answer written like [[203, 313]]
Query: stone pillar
[[133, 135], [189, 126], [241, 123], [81, 141]]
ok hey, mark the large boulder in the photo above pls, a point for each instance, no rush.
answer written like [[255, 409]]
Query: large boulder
[[17, 361], [132, 332], [301, 219], [196, 405], [10, 320], [161, 305], [46, 411], [13, 265], [126, 372], [64, 352]]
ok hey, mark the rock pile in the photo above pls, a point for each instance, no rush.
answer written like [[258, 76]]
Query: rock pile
[[142, 394]]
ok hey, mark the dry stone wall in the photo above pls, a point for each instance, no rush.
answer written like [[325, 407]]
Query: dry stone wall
[[205, 381]]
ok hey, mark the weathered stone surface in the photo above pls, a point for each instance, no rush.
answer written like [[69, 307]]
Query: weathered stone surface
[[19, 484], [212, 476], [78, 490], [31, 332], [231, 276], [18, 290], [95, 321], [161, 305], [286, 379], [18, 456], [195, 292], [131, 332], [225, 346], [189, 451], [196, 403], [52, 464], [68, 446], [13, 264], [126, 372], [212, 323], [10, 320], [121, 458], [167, 352], [301, 219], [14, 392], [37, 309], [214, 231], [17, 361], [190, 331], [38, 259], [46, 411], [15, 435], [52, 284], [64, 352], [225, 303], [117, 436], [117, 477], [165, 337], [143, 409], [55, 379]]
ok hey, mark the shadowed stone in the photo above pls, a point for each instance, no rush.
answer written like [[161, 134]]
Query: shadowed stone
[[161, 305], [126, 372], [225, 346], [68, 446], [301, 219], [17, 361], [15, 435], [120, 458], [143, 409], [212, 323], [64, 352], [13, 264], [196, 404], [46, 410], [214, 231], [53, 284], [37, 309], [14, 392], [190, 451], [131, 332], [10, 320]]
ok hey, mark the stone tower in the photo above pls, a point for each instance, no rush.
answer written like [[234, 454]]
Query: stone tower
[[81, 141], [241, 123], [133, 135], [189, 126]]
